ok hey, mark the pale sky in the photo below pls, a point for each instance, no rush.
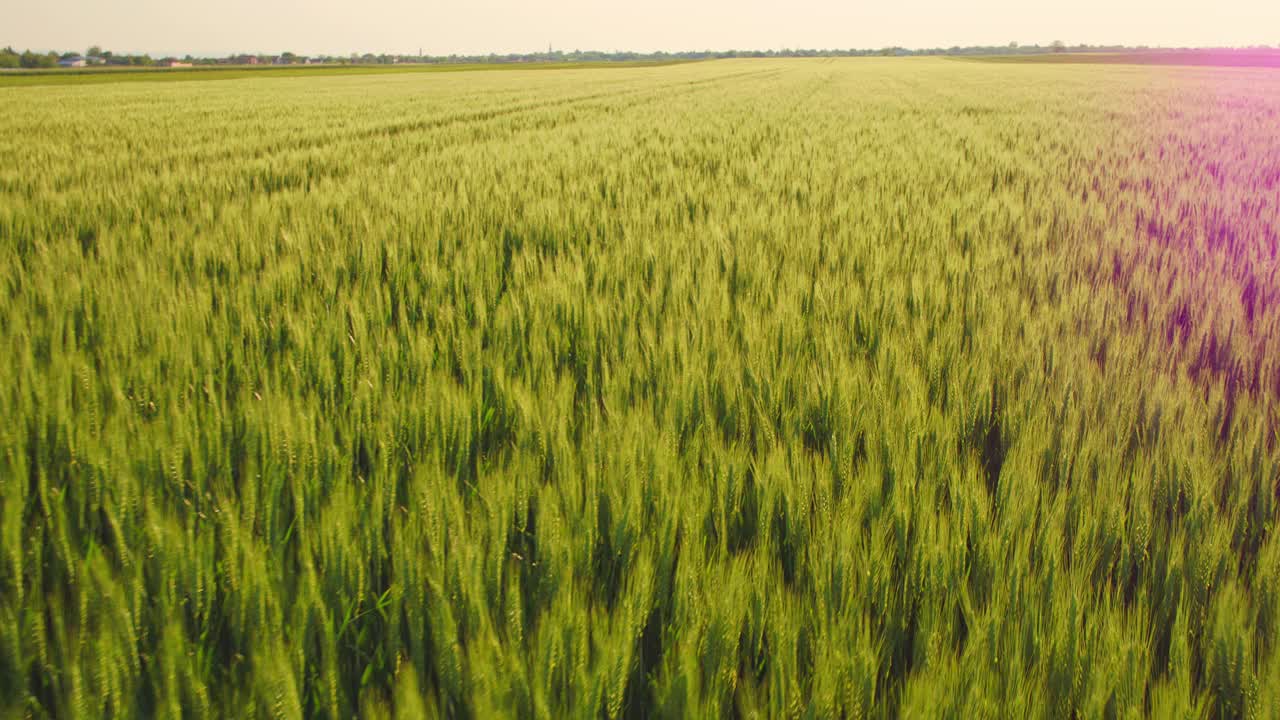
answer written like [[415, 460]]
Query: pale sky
[[479, 26]]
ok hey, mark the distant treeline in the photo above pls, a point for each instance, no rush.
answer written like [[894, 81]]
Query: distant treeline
[[11, 58]]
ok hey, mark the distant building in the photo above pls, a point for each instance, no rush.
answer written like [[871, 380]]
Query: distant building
[[174, 63], [73, 62], [244, 60], [92, 60]]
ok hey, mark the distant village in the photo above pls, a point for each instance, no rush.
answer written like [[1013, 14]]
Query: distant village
[[96, 57], [78, 61]]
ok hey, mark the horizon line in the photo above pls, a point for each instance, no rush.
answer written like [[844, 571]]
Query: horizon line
[[550, 51]]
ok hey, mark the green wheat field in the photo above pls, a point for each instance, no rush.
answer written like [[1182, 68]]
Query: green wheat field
[[796, 388]]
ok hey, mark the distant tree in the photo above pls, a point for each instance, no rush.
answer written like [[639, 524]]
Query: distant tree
[[1013, 45], [9, 59], [36, 60], [94, 51], [1058, 46]]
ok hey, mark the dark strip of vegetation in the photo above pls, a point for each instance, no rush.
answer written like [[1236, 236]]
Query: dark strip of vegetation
[[93, 76], [1216, 58]]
